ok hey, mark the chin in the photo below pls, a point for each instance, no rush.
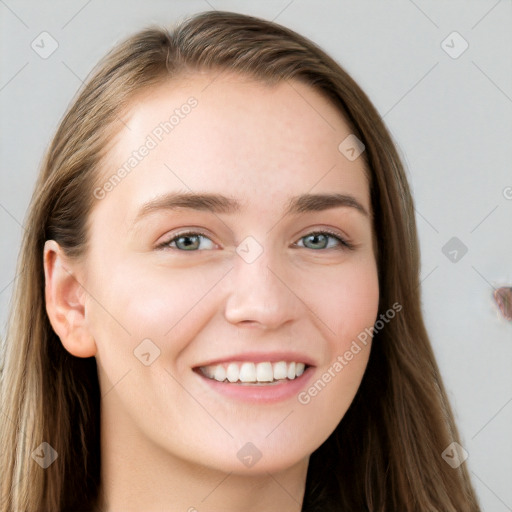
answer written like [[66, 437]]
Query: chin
[[247, 461]]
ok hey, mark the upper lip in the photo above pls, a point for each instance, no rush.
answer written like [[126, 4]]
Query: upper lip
[[257, 357]]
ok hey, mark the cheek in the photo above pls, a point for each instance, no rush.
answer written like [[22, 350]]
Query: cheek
[[357, 306], [354, 312], [348, 308], [348, 302], [134, 303]]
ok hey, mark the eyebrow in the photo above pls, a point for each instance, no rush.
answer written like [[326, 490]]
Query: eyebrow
[[218, 203]]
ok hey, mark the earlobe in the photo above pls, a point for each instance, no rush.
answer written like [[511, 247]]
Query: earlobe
[[65, 302]]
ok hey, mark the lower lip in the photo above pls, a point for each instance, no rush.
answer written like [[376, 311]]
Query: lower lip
[[263, 394]]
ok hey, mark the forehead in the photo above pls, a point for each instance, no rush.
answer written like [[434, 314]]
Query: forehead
[[233, 135]]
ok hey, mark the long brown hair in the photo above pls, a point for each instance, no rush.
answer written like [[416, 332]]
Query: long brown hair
[[385, 455]]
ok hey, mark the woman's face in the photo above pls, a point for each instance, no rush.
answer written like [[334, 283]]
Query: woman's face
[[253, 172]]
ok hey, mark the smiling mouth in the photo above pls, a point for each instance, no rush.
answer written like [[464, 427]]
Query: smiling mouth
[[249, 373]]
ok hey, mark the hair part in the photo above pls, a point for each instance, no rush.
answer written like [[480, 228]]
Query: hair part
[[385, 455]]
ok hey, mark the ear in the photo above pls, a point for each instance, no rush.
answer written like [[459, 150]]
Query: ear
[[65, 302]]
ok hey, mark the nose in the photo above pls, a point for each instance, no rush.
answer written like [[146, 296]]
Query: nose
[[261, 294]]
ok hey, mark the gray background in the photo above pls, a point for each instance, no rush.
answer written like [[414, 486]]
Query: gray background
[[451, 119]]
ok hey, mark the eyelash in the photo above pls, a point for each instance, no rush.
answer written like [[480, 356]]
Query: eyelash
[[344, 243]]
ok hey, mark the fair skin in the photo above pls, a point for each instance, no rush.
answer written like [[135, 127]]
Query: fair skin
[[169, 439]]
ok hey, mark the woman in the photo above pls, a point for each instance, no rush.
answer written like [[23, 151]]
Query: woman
[[218, 303]]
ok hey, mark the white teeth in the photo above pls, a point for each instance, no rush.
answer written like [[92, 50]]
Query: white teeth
[[220, 373], [291, 371], [248, 372], [280, 370], [232, 373], [264, 372]]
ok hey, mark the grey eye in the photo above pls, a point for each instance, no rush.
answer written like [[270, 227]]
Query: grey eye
[[191, 242], [320, 241]]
